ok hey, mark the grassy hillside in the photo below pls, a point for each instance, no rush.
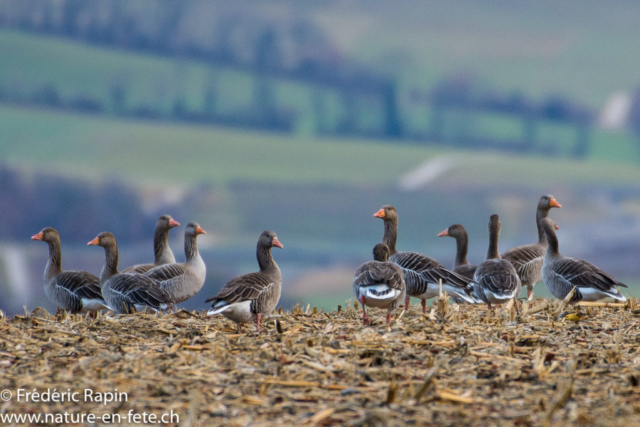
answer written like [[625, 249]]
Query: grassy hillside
[[580, 48], [152, 153], [32, 61]]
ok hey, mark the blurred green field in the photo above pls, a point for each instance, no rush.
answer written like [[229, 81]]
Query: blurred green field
[[581, 48], [30, 62], [152, 153]]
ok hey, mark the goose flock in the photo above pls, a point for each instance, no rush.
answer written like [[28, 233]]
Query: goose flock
[[388, 281]]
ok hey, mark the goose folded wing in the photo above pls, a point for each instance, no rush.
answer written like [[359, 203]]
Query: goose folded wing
[[139, 269], [496, 279], [375, 273], [139, 289], [166, 272], [523, 255], [583, 274], [243, 288], [80, 283]]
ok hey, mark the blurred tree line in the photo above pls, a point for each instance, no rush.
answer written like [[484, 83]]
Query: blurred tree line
[[247, 38], [78, 210]]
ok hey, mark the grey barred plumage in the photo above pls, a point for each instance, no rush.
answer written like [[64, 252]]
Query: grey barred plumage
[[124, 291], [528, 259], [379, 283], [182, 281], [429, 272], [561, 274], [251, 296], [496, 279], [74, 291]]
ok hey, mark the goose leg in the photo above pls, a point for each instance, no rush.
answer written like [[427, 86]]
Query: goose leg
[[529, 292], [258, 318], [365, 318], [407, 301], [239, 328], [424, 306], [388, 317]]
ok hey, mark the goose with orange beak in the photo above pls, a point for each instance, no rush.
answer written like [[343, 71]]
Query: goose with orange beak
[[422, 274], [527, 259], [183, 280], [251, 296], [161, 249], [74, 291], [126, 292]]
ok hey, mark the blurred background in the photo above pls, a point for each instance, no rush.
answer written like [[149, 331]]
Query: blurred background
[[307, 117]]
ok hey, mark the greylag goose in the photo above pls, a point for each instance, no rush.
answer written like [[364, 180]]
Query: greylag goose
[[252, 295], [496, 279], [161, 249], [421, 273], [561, 274], [182, 281], [379, 283], [461, 265], [528, 259], [74, 291], [124, 291]]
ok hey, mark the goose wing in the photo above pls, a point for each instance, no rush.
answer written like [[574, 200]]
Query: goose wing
[[583, 274]]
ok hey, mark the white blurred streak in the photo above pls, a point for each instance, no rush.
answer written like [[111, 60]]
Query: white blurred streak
[[426, 173]]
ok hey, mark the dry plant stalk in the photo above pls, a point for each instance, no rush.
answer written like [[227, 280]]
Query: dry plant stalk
[[326, 368]]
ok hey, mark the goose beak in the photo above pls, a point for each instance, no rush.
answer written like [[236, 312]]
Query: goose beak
[[276, 242], [173, 223], [200, 231], [37, 236], [443, 233], [94, 242], [554, 203], [379, 214]]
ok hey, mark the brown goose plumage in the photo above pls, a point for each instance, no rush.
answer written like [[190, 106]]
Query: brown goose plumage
[[561, 274], [527, 259], [184, 280], [379, 283], [161, 249], [496, 279], [75, 291], [252, 295], [461, 265], [422, 274], [125, 291]]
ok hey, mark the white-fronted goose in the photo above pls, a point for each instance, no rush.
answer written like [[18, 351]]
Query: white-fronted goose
[[74, 291], [182, 281], [461, 265], [161, 249], [496, 279], [251, 296], [528, 259], [124, 291], [379, 283], [561, 274], [421, 273]]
